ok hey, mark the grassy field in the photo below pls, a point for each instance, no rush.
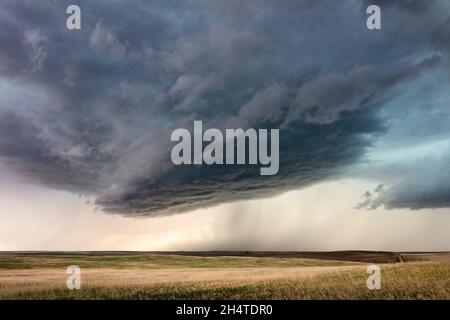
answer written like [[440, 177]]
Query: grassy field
[[175, 276], [148, 261]]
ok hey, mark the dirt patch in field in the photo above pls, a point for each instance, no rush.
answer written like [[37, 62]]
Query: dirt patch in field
[[354, 256]]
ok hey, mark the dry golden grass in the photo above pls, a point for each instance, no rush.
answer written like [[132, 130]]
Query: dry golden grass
[[13, 282], [426, 278]]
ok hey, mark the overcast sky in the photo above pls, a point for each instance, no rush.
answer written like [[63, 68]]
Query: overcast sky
[[86, 117]]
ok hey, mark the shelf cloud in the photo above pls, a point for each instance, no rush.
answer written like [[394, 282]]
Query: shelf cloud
[[91, 111]]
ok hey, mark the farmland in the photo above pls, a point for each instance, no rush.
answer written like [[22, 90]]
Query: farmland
[[224, 275]]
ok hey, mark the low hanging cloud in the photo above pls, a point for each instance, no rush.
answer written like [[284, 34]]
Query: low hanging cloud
[[426, 185], [91, 111]]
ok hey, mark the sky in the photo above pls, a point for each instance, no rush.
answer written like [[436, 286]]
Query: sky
[[86, 118]]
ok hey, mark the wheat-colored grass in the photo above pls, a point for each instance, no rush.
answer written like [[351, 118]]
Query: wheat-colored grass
[[425, 278]]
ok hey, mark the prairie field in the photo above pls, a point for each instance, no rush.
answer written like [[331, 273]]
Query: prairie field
[[226, 275]]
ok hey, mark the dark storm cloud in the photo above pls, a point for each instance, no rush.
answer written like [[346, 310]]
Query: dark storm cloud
[[91, 111]]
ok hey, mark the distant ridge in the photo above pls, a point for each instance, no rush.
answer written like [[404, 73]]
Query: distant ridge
[[345, 255]]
